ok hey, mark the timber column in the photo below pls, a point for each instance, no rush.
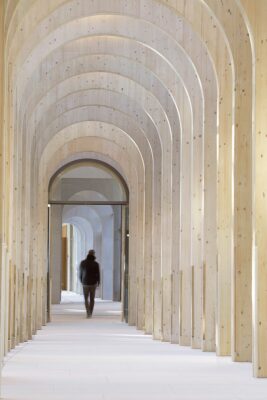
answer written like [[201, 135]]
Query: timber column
[[2, 275], [260, 267], [257, 15]]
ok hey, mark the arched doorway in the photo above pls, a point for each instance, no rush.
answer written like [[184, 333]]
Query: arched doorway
[[88, 208]]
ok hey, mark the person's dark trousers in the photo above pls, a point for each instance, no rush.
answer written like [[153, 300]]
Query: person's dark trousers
[[89, 290]]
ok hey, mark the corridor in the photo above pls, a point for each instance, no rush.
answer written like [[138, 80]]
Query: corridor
[[104, 358]]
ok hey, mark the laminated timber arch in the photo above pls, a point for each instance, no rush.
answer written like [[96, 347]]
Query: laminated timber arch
[[136, 135], [101, 193], [187, 255], [65, 143], [188, 260], [187, 84]]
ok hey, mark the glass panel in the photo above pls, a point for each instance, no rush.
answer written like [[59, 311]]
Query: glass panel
[[87, 181]]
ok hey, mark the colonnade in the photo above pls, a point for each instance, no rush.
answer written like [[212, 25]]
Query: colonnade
[[172, 94]]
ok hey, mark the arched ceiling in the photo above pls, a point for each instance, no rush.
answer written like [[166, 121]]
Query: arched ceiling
[[129, 24], [158, 88], [147, 73]]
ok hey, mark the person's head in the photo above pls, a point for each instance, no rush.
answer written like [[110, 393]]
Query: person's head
[[91, 254]]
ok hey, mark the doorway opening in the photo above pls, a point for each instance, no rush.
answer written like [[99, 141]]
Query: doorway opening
[[88, 209]]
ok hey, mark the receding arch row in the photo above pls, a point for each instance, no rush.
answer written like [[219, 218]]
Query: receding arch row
[[124, 27], [230, 92], [80, 144]]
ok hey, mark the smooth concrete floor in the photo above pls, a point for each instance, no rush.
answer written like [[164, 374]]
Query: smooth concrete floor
[[74, 358]]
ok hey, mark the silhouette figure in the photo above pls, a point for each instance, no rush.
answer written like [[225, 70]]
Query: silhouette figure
[[90, 279]]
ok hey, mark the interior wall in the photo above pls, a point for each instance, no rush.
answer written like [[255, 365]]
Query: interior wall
[[56, 252], [117, 262], [64, 285]]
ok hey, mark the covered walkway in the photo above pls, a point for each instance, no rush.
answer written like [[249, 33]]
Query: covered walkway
[[103, 358]]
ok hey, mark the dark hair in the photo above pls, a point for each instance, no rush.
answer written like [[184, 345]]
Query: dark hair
[[91, 255]]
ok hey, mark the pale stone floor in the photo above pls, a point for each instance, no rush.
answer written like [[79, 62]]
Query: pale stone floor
[[74, 358]]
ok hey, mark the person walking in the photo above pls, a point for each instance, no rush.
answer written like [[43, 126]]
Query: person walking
[[90, 279]]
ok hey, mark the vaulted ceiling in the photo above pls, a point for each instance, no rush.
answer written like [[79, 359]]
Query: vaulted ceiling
[[162, 91]]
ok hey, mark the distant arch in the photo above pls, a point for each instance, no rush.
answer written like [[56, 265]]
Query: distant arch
[[89, 169]]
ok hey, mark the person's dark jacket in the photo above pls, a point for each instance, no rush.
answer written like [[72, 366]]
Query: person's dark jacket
[[89, 271]]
